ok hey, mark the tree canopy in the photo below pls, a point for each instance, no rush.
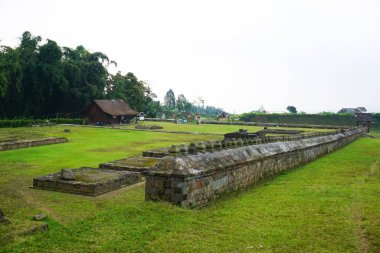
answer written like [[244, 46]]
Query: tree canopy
[[169, 100], [291, 109], [39, 78], [43, 79]]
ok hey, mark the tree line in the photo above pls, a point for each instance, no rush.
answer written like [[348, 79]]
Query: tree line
[[46, 80], [180, 106]]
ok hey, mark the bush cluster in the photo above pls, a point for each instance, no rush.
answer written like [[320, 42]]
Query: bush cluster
[[39, 122], [334, 119]]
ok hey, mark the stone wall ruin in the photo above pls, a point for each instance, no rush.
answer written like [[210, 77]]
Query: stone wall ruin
[[203, 172], [15, 144]]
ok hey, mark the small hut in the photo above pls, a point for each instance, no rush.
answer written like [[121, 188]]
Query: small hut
[[364, 119], [141, 116], [353, 110], [223, 115], [113, 111]]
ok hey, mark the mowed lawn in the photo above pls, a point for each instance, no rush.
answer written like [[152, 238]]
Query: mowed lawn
[[213, 128], [330, 205]]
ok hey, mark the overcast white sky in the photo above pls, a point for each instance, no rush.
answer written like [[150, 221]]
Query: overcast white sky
[[238, 55]]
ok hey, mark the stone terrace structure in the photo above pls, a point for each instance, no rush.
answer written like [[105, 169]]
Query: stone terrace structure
[[14, 144], [86, 181], [193, 180]]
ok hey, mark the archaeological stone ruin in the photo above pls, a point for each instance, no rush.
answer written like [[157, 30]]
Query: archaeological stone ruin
[[86, 181], [201, 174], [136, 164], [15, 144], [194, 175]]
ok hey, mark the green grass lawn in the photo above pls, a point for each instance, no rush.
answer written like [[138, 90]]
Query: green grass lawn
[[330, 205]]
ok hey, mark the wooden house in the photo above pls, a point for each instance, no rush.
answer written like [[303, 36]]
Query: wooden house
[[353, 110], [223, 115], [113, 111]]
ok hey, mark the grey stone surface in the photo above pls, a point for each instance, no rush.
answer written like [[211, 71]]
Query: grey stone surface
[[174, 149], [88, 181], [39, 228], [67, 174], [39, 217], [192, 147], [136, 164], [183, 148], [217, 144], [3, 220], [209, 145], [15, 144], [200, 146]]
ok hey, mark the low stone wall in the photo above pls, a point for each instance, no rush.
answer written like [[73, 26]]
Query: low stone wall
[[196, 179], [112, 180], [159, 120], [8, 145], [135, 164]]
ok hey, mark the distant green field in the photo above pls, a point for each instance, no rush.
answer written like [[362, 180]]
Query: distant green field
[[329, 205], [213, 128]]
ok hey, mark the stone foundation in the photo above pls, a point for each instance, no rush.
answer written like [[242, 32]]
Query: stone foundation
[[136, 164], [8, 145], [196, 179], [87, 181]]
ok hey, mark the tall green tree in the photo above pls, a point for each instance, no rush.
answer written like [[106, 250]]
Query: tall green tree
[[181, 103], [291, 109], [51, 83], [130, 89], [28, 101], [87, 76], [10, 78], [169, 100]]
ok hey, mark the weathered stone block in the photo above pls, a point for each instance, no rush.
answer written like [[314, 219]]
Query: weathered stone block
[[174, 149], [39, 217], [209, 145], [217, 144], [67, 174], [183, 148], [200, 146]]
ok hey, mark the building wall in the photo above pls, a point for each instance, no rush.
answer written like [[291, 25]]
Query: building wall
[[196, 180], [95, 114]]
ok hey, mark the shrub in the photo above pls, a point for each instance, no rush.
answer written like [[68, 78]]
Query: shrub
[[39, 122]]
